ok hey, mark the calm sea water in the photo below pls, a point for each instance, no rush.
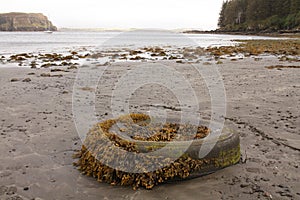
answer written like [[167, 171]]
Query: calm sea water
[[26, 42]]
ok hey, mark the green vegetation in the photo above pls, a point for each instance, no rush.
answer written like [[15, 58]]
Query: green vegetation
[[260, 15]]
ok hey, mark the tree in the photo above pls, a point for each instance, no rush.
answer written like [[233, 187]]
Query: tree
[[259, 15], [295, 6], [221, 22]]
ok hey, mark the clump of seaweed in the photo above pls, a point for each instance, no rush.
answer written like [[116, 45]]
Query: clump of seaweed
[[283, 67], [257, 47], [49, 59], [144, 137]]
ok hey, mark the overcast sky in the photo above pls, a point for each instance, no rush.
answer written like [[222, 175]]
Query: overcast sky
[[166, 14]]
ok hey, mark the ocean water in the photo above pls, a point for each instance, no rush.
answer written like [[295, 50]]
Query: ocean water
[[36, 42]]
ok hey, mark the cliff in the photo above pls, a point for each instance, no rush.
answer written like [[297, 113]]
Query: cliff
[[25, 22]]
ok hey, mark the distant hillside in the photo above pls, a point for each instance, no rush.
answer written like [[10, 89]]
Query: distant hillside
[[93, 30], [25, 22], [260, 15]]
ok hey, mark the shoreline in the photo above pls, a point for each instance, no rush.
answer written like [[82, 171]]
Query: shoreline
[[292, 34], [287, 49]]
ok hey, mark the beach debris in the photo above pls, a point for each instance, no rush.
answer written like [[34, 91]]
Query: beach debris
[[49, 75], [89, 89], [58, 70], [47, 65], [137, 58], [285, 50], [44, 60], [66, 64], [268, 195], [26, 80], [72, 67], [172, 57], [258, 47], [145, 137], [14, 80], [57, 75], [219, 62], [279, 67], [288, 58], [134, 52], [33, 64], [74, 53], [45, 75]]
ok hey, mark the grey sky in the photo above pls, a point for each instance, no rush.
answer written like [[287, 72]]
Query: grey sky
[[166, 14]]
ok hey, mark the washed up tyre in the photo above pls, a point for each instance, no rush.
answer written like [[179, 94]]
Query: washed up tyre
[[134, 151]]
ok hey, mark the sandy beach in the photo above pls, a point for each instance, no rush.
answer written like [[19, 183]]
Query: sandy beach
[[38, 134]]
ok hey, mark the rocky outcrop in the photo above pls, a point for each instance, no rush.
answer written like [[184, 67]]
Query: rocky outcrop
[[25, 22]]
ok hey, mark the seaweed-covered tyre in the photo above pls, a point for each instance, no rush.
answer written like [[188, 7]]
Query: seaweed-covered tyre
[[223, 151]]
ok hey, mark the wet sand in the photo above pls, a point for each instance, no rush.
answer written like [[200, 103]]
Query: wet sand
[[38, 135]]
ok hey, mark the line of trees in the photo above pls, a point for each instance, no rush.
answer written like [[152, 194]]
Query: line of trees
[[260, 15]]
